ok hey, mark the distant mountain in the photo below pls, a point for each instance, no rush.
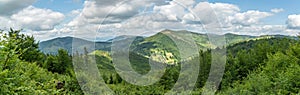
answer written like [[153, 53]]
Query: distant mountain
[[159, 44], [124, 37], [234, 38], [51, 46]]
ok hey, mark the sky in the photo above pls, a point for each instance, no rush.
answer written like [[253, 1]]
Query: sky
[[104, 19]]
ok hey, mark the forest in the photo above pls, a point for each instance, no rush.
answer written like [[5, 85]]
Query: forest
[[263, 66]]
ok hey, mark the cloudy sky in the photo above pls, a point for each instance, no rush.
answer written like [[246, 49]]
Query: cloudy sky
[[105, 19]]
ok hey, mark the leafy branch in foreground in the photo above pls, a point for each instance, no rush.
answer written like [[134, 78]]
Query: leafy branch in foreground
[[22, 45], [21, 72]]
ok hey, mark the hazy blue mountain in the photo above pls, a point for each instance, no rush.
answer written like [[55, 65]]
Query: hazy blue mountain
[[51, 46]]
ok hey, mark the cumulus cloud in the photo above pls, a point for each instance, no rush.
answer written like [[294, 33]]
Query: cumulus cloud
[[186, 3], [114, 11], [128, 16], [150, 23], [228, 17], [75, 12], [227, 14], [250, 17], [38, 19], [293, 21], [8, 7], [277, 10], [260, 30], [173, 11], [107, 16], [6, 23]]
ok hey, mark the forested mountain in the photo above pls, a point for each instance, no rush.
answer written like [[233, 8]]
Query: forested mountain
[[255, 65], [51, 46], [245, 61], [158, 43]]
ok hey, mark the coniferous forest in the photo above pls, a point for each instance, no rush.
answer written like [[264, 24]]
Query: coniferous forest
[[266, 65]]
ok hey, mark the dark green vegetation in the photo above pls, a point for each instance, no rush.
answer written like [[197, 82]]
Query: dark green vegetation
[[255, 65], [26, 70]]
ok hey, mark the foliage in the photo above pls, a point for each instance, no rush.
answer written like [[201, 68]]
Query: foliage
[[59, 63], [22, 45], [280, 75], [20, 71]]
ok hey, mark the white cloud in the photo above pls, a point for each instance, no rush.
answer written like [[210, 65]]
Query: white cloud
[[277, 10], [250, 17], [38, 19], [260, 30], [127, 18], [43, 35], [130, 18], [6, 23], [225, 13], [95, 13], [173, 11], [204, 12], [8, 7], [149, 24], [186, 3], [75, 12], [228, 14], [224, 9], [114, 11], [293, 21], [213, 13], [228, 17]]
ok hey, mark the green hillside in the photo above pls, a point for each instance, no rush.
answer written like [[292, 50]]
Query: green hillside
[[104, 61], [248, 64], [260, 66], [161, 43]]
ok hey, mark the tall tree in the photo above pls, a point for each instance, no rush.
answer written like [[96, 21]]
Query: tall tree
[[60, 63], [23, 45], [64, 60]]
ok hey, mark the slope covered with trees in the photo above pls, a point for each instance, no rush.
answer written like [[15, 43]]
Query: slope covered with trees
[[267, 65]]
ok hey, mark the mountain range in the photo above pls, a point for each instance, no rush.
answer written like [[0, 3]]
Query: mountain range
[[162, 43]]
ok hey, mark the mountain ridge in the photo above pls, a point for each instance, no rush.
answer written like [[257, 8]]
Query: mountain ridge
[[160, 43]]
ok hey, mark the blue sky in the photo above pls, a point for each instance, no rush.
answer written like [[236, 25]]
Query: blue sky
[[63, 6], [46, 19]]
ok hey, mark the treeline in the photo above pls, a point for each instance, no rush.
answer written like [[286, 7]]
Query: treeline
[[264, 66]]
